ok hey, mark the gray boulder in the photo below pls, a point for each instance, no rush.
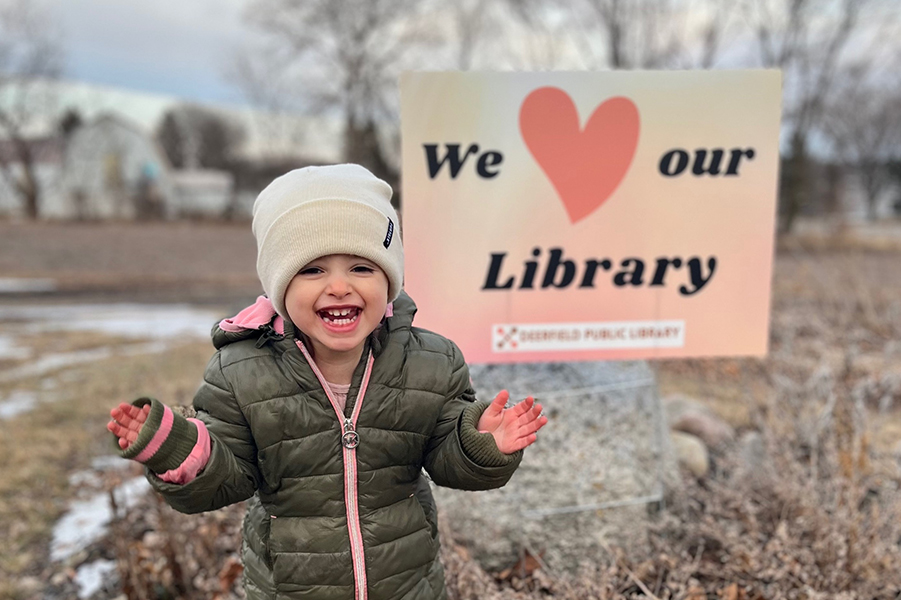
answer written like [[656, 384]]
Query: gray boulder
[[588, 479], [689, 416], [691, 452]]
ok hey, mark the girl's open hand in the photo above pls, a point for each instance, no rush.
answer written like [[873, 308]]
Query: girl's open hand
[[513, 428], [126, 422]]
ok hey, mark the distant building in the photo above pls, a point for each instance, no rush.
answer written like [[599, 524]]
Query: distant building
[[112, 169], [203, 193]]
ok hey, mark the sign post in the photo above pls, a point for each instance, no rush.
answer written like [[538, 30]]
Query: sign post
[[561, 218]]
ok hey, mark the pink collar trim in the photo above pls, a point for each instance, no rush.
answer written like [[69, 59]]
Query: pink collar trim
[[255, 316]]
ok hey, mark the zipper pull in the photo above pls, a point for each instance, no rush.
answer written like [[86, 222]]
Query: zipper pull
[[269, 333], [264, 336], [350, 438]]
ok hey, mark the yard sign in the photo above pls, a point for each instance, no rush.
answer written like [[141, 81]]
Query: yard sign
[[585, 216]]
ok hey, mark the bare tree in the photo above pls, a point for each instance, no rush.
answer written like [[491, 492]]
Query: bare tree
[[471, 20], [630, 34], [807, 40], [343, 57], [863, 122], [198, 137], [29, 50]]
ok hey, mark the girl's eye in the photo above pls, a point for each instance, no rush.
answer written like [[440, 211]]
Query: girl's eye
[[310, 271], [363, 269]]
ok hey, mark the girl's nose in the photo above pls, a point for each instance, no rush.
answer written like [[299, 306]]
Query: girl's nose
[[338, 286]]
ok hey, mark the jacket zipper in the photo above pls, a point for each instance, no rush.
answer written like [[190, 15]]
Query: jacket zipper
[[350, 439]]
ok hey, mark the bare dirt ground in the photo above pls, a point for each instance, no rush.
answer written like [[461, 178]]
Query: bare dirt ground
[[815, 513], [184, 261]]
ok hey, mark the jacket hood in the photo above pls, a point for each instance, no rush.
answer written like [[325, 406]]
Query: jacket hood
[[259, 320]]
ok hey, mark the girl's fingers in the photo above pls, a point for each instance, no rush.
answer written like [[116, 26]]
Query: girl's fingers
[[122, 432], [126, 421], [522, 408], [530, 414], [125, 412], [523, 442], [129, 409], [136, 413], [532, 426], [121, 414]]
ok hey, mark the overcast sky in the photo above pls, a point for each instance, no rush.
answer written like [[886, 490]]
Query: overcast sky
[[173, 47]]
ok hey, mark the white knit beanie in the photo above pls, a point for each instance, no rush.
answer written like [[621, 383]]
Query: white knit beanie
[[316, 211]]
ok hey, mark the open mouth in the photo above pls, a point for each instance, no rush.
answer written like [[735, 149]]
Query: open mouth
[[340, 316]]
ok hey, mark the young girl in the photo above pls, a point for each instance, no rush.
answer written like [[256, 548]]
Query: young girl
[[323, 404]]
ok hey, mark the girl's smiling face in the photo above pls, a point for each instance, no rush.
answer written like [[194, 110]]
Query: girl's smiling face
[[338, 300]]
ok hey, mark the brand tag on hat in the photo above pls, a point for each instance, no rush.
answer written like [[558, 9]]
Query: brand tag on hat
[[390, 234]]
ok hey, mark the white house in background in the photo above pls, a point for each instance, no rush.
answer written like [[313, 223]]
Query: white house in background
[[116, 168], [113, 169], [268, 134]]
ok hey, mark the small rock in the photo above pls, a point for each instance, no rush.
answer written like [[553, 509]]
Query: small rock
[[752, 451], [712, 430], [676, 405], [897, 450], [29, 585], [691, 452], [59, 578]]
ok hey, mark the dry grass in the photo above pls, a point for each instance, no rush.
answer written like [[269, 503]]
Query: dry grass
[[819, 516], [41, 448]]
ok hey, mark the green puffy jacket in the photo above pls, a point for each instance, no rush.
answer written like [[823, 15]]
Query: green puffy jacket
[[324, 520]]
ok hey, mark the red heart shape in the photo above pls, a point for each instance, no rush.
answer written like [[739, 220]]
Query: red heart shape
[[584, 166]]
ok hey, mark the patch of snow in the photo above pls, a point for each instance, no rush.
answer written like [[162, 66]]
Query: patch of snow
[[59, 360], [9, 349], [15, 285], [93, 477], [87, 520], [154, 321], [51, 362], [162, 325], [110, 462], [86, 478], [18, 402], [90, 576]]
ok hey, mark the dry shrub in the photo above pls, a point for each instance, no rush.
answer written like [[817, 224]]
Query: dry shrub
[[817, 514], [161, 553], [813, 512]]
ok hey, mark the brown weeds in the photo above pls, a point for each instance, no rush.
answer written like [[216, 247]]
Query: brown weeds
[[815, 512]]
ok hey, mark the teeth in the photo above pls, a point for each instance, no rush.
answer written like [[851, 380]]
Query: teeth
[[332, 319]]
